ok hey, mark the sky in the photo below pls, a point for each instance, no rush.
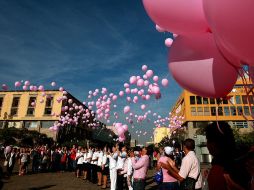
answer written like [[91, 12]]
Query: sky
[[83, 45]]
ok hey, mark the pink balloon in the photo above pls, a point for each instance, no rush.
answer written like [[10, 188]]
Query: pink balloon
[[133, 80], [128, 99], [169, 42], [144, 68], [159, 29], [53, 84], [61, 89], [41, 88], [128, 91], [143, 106], [33, 104], [164, 82], [121, 139], [126, 109], [121, 93], [147, 97], [145, 77], [149, 73], [31, 88], [24, 87], [27, 83], [197, 65], [146, 83], [178, 16], [126, 85], [232, 25], [156, 89], [41, 101], [125, 127], [17, 84], [119, 128], [155, 78], [114, 98], [4, 87], [140, 82]]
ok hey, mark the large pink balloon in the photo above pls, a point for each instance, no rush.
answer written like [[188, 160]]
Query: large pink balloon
[[126, 109], [177, 16], [231, 22], [198, 66]]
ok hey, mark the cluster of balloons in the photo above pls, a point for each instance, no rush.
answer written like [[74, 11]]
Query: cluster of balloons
[[100, 103], [215, 39], [138, 89]]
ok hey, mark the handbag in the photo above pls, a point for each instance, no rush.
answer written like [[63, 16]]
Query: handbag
[[158, 177], [5, 163], [188, 183]]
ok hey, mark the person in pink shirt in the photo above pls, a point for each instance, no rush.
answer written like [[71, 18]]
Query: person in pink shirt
[[140, 169], [169, 182]]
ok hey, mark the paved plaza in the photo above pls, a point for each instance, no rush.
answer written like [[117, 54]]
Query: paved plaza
[[55, 181]]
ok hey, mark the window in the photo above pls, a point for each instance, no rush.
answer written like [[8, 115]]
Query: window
[[239, 110], [226, 111], [233, 110], [1, 104], [47, 124], [240, 124], [30, 109], [206, 111], [245, 99], [246, 110], [251, 99], [31, 124], [192, 100], [212, 101], [205, 101], [193, 111], [225, 101], [200, 111], [220, 111], [48, 106], [15, 105], [252, 110], [238, 99], [199, 100], [213, 111]]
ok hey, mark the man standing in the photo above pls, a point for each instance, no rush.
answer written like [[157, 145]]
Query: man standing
[[112, 168], [190, 168], [140, 169]]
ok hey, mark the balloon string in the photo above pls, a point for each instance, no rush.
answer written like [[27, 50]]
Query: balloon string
[[218, 126]]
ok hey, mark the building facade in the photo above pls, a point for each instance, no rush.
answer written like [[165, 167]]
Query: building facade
[[159, 133], [237, 109], [36, 110]]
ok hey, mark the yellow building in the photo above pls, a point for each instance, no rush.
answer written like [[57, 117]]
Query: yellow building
[[199, 111], [160, 133], [35, 110]]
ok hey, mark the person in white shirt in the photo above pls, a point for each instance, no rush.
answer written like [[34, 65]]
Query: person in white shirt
[[99, 164], [89, 166], [85, 166], [120, 167], [94, 163], [190, 167], [79, 159], [105, 168], [112, 168]]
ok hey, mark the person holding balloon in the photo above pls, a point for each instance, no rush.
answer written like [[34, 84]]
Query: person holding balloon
[[112, 167]]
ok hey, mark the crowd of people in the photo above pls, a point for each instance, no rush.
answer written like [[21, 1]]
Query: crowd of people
[[120, 168]]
